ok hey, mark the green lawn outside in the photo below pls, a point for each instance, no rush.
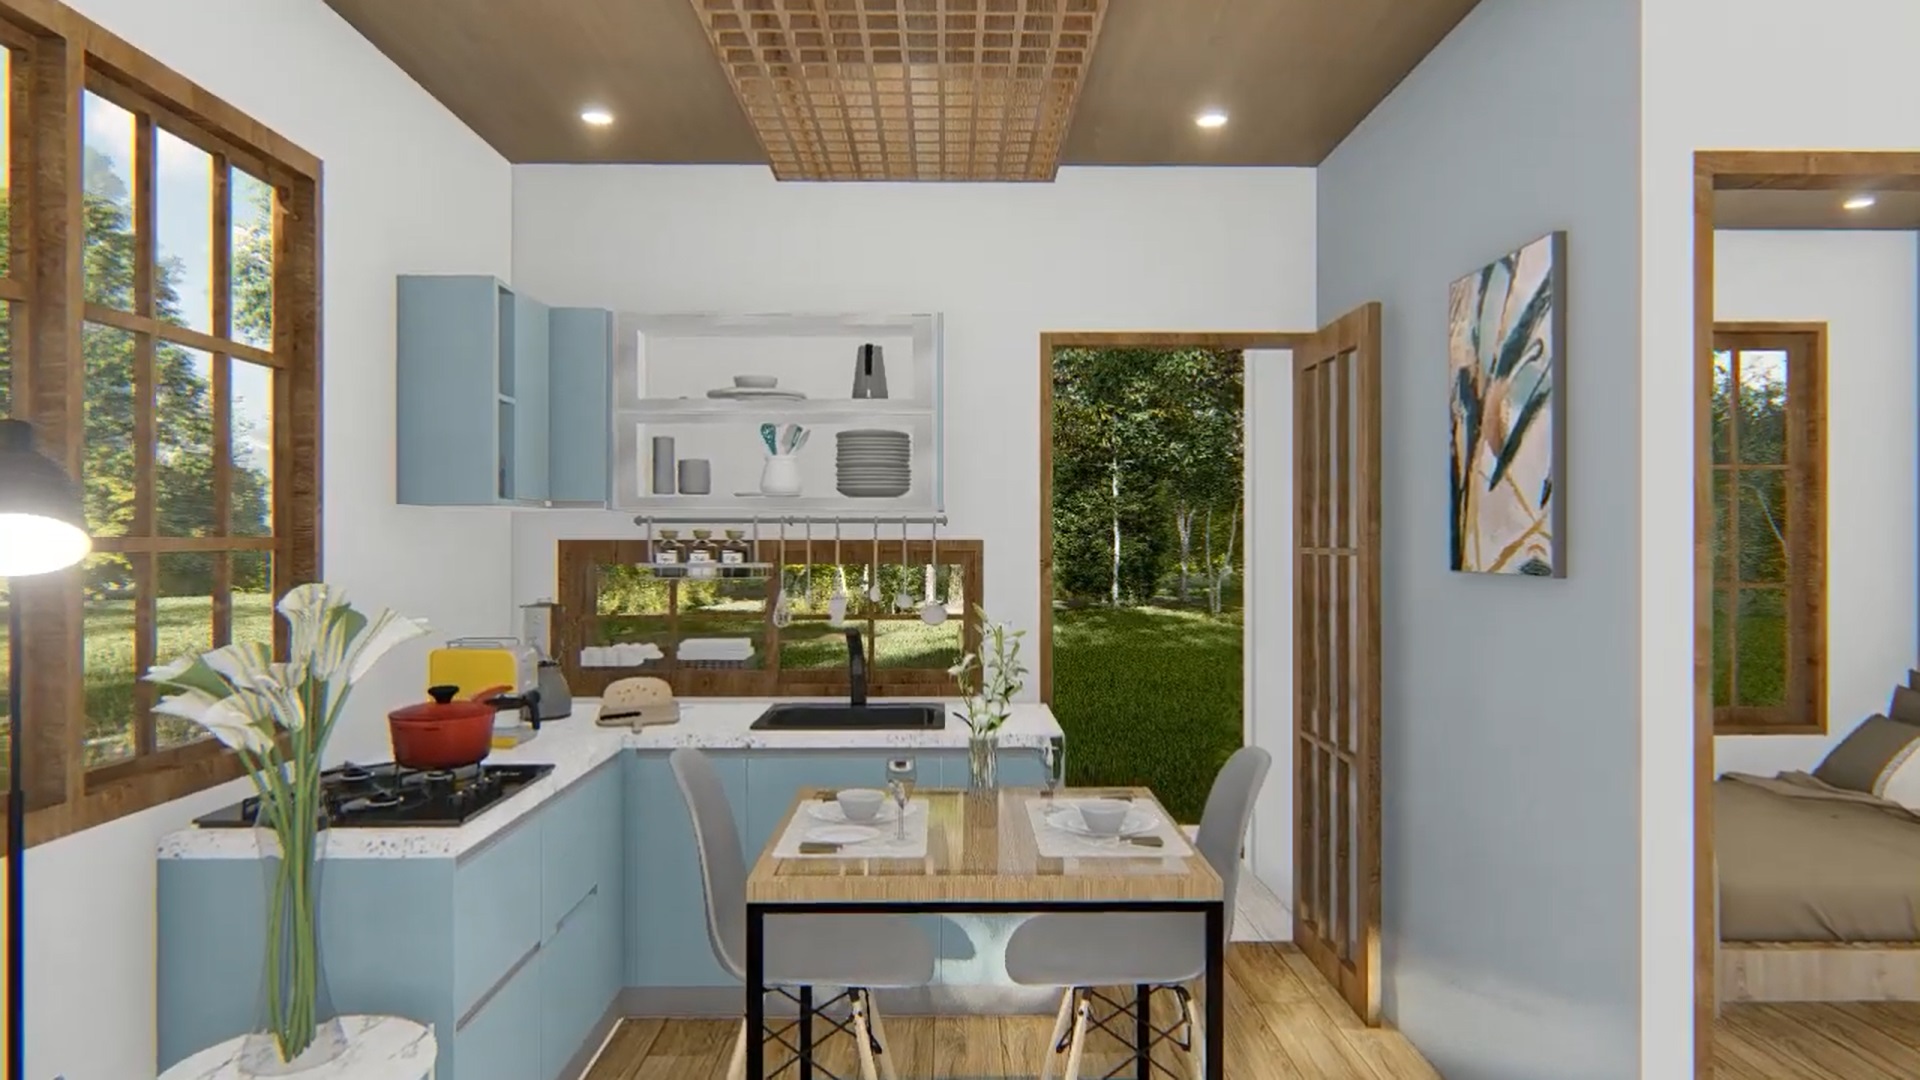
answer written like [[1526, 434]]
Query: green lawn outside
[[184, 624], [1762, 653], [1148, 696]]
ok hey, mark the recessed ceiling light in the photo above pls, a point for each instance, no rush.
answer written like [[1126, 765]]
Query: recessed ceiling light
[[1859, 202], [597, 117], [1212, 118]]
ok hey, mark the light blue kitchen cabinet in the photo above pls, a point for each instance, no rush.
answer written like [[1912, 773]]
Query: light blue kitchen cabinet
[[527, 482], [471, 417], [579, 383], [513, 986], [575, 990], [666, 907], [496, 912], [501, 1039]]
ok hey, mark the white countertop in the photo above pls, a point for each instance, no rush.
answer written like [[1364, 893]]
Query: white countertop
[[576, 746]]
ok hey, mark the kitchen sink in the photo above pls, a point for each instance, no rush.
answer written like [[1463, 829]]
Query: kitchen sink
[[834, 716]]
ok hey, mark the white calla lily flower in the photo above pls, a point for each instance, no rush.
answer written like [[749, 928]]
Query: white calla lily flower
[[222, 719]]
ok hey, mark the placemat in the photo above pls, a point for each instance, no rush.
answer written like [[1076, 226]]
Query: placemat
[[1053, 842], [884, 846]]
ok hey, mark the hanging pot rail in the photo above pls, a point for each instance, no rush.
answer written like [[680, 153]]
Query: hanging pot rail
[[646, 520]]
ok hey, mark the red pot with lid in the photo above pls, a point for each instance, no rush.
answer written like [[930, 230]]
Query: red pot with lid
[[444, 733]]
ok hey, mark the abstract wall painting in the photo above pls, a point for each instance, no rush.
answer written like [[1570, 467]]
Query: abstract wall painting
[[1506, 330]]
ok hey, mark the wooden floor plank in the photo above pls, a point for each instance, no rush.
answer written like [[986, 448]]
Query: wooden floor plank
[[1283, 1023], [1818, 1041]]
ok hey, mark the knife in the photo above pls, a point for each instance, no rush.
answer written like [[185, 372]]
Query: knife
[[1146, 841]]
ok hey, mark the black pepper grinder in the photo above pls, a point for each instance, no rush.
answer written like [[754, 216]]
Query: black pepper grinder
[[870, 373]]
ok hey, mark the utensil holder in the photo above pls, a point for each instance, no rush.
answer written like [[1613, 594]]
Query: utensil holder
[[780, 476]]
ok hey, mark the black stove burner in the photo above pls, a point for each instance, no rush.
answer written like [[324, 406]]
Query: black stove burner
[[359, 796]]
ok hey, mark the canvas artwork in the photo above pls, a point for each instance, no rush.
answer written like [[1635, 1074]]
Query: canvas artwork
[[1504, 355]]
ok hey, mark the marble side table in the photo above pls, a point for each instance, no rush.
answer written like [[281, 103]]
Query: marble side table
[[378, 1048]]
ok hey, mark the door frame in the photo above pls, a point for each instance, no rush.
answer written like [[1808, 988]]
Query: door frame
[[1727, 170]]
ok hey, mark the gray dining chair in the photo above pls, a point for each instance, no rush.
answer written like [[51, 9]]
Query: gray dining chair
[[857, 953], [1149, 951]]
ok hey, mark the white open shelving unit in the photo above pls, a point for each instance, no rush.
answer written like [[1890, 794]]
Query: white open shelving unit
[[665, 364]]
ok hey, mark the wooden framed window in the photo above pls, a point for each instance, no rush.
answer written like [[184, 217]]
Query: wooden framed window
[[609, 597], [1769, 541], [163, 268]]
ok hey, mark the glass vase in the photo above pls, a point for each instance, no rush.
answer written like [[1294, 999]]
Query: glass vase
[[298, 1028], [983, 760]]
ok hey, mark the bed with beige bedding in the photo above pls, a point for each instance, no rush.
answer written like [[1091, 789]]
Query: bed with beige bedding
[[1800, 861]]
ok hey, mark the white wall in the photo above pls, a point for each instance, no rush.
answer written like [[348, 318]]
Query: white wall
[[407, 188], [1835, 75], [1510, 760], [1100, 249], [1864, 286]]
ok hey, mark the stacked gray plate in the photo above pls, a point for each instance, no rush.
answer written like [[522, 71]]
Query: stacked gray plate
[[874, 464]]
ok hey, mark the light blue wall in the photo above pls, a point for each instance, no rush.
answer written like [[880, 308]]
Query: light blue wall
[[1511, 745]]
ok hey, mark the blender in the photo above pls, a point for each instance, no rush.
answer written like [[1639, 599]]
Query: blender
[[556, 700]]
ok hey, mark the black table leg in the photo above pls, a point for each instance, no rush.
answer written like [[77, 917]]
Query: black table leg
[[756, 992], [1216, 992], [1142, 1032], [806, 1033]]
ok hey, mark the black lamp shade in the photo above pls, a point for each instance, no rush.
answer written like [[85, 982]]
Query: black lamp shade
[[42, 526]]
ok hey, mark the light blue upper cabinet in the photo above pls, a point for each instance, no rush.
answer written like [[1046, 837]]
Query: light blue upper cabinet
[[579, 372], [501, 399], [528, 477]]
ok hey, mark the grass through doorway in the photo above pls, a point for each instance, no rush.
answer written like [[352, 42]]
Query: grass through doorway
[[1148, 513]]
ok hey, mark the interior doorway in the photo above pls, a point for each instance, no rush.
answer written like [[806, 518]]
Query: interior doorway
[[1311, 511], [1826, 981]]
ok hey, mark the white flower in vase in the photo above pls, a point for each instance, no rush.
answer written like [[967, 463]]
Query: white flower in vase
[[277, 718]]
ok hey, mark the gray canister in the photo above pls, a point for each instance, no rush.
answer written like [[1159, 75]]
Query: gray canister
[[663, 465], [696, 476]]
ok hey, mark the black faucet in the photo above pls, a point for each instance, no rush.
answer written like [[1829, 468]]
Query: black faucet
[[856, 668]]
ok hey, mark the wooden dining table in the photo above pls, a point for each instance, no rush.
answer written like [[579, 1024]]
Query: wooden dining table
[[983, 857]]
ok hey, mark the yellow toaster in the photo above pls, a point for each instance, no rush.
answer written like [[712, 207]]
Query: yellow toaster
[[475, 663]]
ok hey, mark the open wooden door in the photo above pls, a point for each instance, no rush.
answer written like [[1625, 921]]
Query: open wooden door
[[1336, 604]]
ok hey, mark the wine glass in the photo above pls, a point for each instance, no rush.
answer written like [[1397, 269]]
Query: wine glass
[[900, 778], [1054, 755]]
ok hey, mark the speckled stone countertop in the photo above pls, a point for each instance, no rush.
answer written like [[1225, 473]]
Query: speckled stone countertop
[[576, 746]]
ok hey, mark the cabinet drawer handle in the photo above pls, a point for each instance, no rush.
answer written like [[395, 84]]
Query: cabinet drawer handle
[[575, 909], [494, 990]]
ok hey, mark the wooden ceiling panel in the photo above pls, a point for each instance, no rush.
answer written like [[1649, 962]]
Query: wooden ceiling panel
[[519, 72], [1295, 76], [906, 89]]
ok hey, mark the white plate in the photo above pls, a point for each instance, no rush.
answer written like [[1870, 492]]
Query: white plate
[[1068, 819], [831, 813], [872, 433], [842, 834], [747, 393]]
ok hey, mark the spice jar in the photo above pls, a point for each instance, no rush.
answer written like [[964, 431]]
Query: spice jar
[[703, 555], [734, 554], [668, 554]]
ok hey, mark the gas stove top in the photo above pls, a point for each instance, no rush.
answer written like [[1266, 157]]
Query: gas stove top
[[364, 796]]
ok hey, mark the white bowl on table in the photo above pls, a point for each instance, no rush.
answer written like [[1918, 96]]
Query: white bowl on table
[[1104, 817], [861, 804]]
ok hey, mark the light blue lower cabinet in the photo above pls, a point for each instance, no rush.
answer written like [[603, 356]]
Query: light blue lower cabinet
[[501, 1039], [666, 905], [516, 952], [576, 987]]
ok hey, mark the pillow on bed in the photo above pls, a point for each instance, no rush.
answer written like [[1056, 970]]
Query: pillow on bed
[[1905, 706], [1877, 758]]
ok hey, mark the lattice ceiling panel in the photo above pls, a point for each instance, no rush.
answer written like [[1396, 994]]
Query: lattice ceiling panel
[[906, 89]]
